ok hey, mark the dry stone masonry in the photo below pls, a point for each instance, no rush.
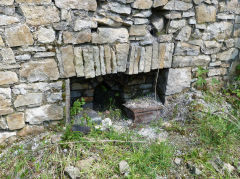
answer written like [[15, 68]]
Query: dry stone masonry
[[44, 42]]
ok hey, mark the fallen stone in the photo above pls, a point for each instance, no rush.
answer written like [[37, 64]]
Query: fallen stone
[[30, 130], [124, 167], [72, 172], [85, 165], [228, 167], [6, 135]]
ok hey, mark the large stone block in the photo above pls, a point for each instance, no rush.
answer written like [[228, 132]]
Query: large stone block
[[6, 135], [186, 49], [19, 35], [67, 61], [165, 51], [42, 70], [44, 113], [8, 77], [16, 121], [157, 3], [178, 80], [89, 70], [190, 61], [30, 99], [206, 13], [40, 15], [228, 55], [8, 20], [46, 35], [110, 35], [35, 1], [120, 8], [122, 51], [7, 56], [220, 30], [178, 5], [77, 37], [5, 101], [90, 5], [6, 3], [142, 4], [78, 61]]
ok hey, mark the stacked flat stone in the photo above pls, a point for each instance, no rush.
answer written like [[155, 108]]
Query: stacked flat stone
[[43, 42]]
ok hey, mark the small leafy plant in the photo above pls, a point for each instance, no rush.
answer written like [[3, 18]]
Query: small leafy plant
[[77, 107], [201, 75]]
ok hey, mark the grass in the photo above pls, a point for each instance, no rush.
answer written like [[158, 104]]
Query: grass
[[146, 160]]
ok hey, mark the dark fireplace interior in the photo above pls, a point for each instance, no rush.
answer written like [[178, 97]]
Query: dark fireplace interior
[[111, 91]]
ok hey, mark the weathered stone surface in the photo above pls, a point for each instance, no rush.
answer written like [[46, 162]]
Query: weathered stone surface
[[78, 61], [54, 97], [5, 102], [178, 5], [16, 121], [217, 71], [77, 37], [1, 42], [142, 4], [138, 30], [6, 3], [3, 123], [8, 77], [30, 130], [81, 24], [44, 113], [40, 15], [190, 61], [158, 23], [110, 35], [184, 34], [220, 30], [97, 63], [186, 49], [206, 13], [41, 70], [122, 51], [102, 62], [23, 89], [178, 80], [34, 1], [108, 58], [148, 58], [90, 5], [211, 47], [236, 32], [46, 35], [89, 70], [165, 51], [19, 35], [228, 55], [30, 99], [5, 106], [158, 3], [8, 20], [6, 135], [120, 8], [7, 56], [67, 61]]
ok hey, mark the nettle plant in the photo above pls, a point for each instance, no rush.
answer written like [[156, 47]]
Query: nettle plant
[[77, 107], [201, 77]]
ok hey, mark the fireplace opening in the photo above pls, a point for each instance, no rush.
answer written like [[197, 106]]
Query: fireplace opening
[[114, 90]]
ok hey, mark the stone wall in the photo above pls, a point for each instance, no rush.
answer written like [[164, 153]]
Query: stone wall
[[43, 42]]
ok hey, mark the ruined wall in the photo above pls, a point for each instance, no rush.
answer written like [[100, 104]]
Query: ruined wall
[[43, 42]]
